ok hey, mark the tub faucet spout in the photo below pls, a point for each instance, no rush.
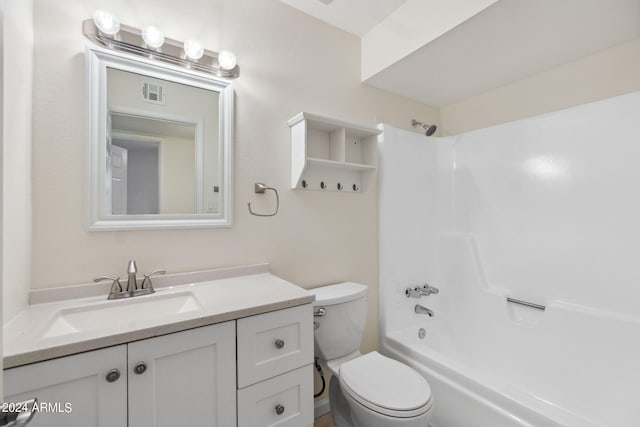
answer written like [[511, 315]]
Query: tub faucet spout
[[423, 310]]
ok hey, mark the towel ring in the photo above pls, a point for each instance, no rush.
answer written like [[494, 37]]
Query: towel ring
[[261, 189]]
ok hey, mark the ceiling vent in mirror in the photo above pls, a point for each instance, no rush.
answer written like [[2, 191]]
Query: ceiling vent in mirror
[[153, 92]]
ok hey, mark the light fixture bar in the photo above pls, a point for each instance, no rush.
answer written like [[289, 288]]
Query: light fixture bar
[[129, 39]]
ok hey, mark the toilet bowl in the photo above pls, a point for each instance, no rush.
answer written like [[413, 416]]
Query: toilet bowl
[[369, 390]]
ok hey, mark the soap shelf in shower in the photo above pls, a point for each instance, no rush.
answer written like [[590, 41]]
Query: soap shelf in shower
[[331, 155]]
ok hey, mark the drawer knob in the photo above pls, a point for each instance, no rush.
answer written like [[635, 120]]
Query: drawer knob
[[113, 375], [140, 368], [279, 409], [279, 344]]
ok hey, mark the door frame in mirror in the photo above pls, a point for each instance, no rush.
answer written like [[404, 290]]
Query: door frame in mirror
[[97, 62]]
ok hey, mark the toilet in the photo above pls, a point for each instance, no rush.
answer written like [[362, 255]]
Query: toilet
[[369, 390]]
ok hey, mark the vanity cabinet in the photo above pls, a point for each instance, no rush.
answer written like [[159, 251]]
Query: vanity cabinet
[[275, 373], [80, 380], [167, 381], [185, 378]]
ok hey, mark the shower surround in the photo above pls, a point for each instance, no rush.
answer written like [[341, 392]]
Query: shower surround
[[545, 210]]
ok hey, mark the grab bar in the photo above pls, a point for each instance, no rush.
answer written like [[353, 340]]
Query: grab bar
[[526, 303]]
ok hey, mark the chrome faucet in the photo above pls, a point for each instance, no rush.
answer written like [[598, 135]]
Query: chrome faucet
[[427, 290], [132, 282], [418, 291], [413, 293], [132, 290], [423, 310]]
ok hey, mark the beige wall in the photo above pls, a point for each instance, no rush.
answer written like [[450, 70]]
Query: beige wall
[[178, 178], [16, 174], [607, 73], [289, 63]]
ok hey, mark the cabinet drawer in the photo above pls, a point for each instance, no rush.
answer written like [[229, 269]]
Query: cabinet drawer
[[283, 401], [272, 343]]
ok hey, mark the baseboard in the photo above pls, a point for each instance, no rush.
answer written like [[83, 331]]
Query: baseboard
[[321, 407]]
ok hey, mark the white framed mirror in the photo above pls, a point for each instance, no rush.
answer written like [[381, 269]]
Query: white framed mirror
[[159, 145]]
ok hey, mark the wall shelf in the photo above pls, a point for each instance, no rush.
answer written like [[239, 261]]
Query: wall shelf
[[331, 155]]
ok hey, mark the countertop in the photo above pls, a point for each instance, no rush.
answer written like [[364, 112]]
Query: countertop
[[25, 340]]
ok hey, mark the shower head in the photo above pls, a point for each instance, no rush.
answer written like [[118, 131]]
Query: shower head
[[428, 129]]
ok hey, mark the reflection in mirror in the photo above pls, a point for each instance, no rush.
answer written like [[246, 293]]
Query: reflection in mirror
[[160, 156], [152, 166]]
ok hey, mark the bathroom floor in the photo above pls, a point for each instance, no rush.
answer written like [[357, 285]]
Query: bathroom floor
[[324, 421]]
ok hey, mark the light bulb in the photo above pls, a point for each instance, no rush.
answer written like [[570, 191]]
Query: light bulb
[[193, 49], [106, 22], [153, 37], [227, 60]]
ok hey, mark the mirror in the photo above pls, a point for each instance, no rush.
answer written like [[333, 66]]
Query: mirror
[[159, 144]]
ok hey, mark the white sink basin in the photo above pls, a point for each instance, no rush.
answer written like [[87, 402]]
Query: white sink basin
[[109, 314]]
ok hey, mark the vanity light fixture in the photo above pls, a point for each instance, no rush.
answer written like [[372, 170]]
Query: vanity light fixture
[[227, 59], [106, 22], [153, 37], [105, 30], [193, 49]]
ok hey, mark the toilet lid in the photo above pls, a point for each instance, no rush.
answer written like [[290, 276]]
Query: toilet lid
[[387, 384]]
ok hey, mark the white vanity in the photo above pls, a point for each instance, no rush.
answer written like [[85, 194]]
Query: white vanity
[[234, 351]]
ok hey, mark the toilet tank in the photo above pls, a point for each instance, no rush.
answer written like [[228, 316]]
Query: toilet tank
[[339, 331]]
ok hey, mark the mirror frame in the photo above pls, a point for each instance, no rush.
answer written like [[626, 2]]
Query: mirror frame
[[97, 62]]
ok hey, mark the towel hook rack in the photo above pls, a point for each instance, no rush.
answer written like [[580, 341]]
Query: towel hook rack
[[261, 189]]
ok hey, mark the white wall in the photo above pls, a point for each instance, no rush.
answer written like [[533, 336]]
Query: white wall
[[16, 178], [415, 207], [544, 210], [611, 72], [551, 203], [289, 63]]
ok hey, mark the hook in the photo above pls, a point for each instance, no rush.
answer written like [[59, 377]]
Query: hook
[[261, 189]]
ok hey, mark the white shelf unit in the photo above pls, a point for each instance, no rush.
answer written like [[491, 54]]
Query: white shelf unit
[[331, 155]]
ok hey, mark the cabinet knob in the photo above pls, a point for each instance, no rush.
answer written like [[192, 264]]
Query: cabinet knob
[[113, 375], [279, 409], [279, 344], [140, 368]]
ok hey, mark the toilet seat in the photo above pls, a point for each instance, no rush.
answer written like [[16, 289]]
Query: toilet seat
[[386, 386]]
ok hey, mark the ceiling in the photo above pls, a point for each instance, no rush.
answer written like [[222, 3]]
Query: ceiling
[[508, 41], [354, 16]]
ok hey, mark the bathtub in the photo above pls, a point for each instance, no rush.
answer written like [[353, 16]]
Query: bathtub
[[538, 210], [494, 363]]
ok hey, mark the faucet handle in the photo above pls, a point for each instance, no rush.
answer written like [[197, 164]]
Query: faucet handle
[[430, 289], [146, 282], [413, 293], [116, 287]]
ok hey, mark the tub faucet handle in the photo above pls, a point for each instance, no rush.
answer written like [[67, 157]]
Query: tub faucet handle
[[428, 289], [413, 293]]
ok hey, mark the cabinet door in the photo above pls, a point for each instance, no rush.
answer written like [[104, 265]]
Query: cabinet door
[[184, 379], [73, 390]]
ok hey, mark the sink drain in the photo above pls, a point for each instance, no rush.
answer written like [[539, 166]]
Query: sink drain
[[421, 333]]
